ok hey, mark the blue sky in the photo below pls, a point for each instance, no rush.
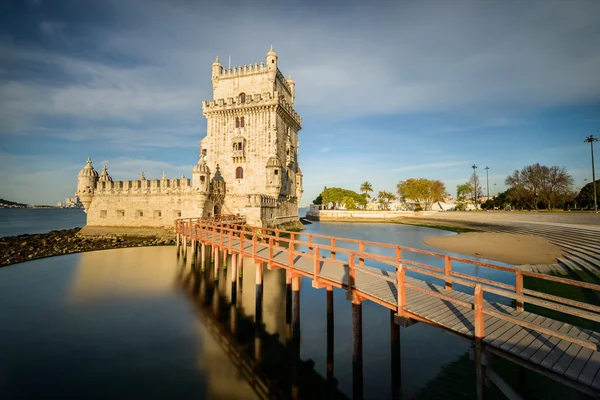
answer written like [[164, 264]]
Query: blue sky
[[387, 90]]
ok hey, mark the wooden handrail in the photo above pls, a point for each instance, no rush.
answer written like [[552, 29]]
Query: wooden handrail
[[217, 230]]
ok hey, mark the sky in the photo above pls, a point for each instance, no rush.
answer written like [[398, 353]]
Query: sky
[[387, 90]]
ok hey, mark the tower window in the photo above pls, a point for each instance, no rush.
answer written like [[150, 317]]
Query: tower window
[[276, 172], [241, 122], [239, 173], [272, 61], [235, 147], [202, 179], [237, 122], [242, 97]]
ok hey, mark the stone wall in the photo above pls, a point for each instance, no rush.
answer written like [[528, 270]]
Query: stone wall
[[344, 215]]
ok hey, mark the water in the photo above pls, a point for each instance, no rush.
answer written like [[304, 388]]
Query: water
[[19, 221], [141, 323]]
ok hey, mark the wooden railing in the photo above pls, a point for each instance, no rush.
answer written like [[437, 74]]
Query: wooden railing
[[215, 232]]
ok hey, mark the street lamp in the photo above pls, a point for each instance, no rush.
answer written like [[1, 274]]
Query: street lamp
[[475, 185], [591, 139], [487, 177]]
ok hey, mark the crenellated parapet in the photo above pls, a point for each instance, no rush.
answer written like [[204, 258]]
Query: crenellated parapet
[[234, 105], [144, 186], [261, 200]]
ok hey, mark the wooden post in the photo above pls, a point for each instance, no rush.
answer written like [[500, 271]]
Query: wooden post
[[203, 256], [277, 237], [357, 358], [233, 278], [332, 244], [178, 243], [317, 262], [224, 260], [448, 271], [479, 322], [350, 273], [296, 309], [519, 289], [216, 267], [401, 289], [291, 254], [396, 367], [185, 248], [253, 244], [258, 312], [242, 237], [193, 251], [361, 250], [310, 243], [288, 306], [270, 251], [230, 239], [330, 342]]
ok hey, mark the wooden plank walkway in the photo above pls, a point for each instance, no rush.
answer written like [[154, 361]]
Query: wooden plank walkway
[[552, 345]]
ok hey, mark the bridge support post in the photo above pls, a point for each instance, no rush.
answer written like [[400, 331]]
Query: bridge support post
[[233, 278], [357, 359], [193, 253], [184, 248], [330, 341], [258, 312], [288, 306], [216, 264], [203, 256], [224, 260], [178, 238], [295, 334], [396, 357]]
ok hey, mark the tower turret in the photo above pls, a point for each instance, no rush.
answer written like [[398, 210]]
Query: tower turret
[[292, 87], [217, 69], [272, 61], [86, 183], [104, 176], [274, 173], [201, 175]]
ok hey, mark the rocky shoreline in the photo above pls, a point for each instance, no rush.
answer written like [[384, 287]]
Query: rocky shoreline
[[16, 249]]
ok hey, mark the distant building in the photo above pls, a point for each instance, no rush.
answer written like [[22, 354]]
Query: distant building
[[248, 161]]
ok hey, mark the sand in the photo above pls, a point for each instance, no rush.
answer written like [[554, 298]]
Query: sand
[[506, 247]]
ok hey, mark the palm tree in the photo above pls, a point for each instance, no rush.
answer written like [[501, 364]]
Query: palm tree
[[365, 188]]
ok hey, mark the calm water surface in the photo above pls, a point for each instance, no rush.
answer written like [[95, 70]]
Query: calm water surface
[[141, 323], [19, 221]]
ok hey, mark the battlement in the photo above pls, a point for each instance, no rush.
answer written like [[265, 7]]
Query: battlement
[[144, 186], [261, 200], [235, 103], [243, 70]]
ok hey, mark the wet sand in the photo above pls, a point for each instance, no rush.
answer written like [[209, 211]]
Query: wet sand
[[506, 247]]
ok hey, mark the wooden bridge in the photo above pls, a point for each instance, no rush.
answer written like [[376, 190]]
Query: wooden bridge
[[421, 292]]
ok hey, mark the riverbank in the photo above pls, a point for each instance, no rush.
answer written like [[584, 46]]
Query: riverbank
[[16, 249], [510, 248]]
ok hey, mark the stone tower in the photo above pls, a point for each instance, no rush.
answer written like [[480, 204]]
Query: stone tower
[[252, 134]]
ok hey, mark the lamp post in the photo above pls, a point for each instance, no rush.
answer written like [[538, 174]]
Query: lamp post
[[487, 178], [474, 185], [591, 139]]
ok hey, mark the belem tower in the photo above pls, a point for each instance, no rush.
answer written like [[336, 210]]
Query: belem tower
[[248, 161]]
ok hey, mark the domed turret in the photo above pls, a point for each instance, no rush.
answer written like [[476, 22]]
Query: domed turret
[[274, 172], [86, 183], [104, 176], [272, 60], [201, 175], [292, 85], [217, 69]]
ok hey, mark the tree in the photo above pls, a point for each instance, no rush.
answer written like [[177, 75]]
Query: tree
[[337, 195], [424, 191], [464, 193], [475, 185], [318, 200], [585, 197], [365, 188], [349, 202], [538, 184]]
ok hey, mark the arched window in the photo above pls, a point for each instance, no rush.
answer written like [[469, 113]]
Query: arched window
[[237, 122], [241, 122], [235, 146], [242, 97], [239, 173]]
